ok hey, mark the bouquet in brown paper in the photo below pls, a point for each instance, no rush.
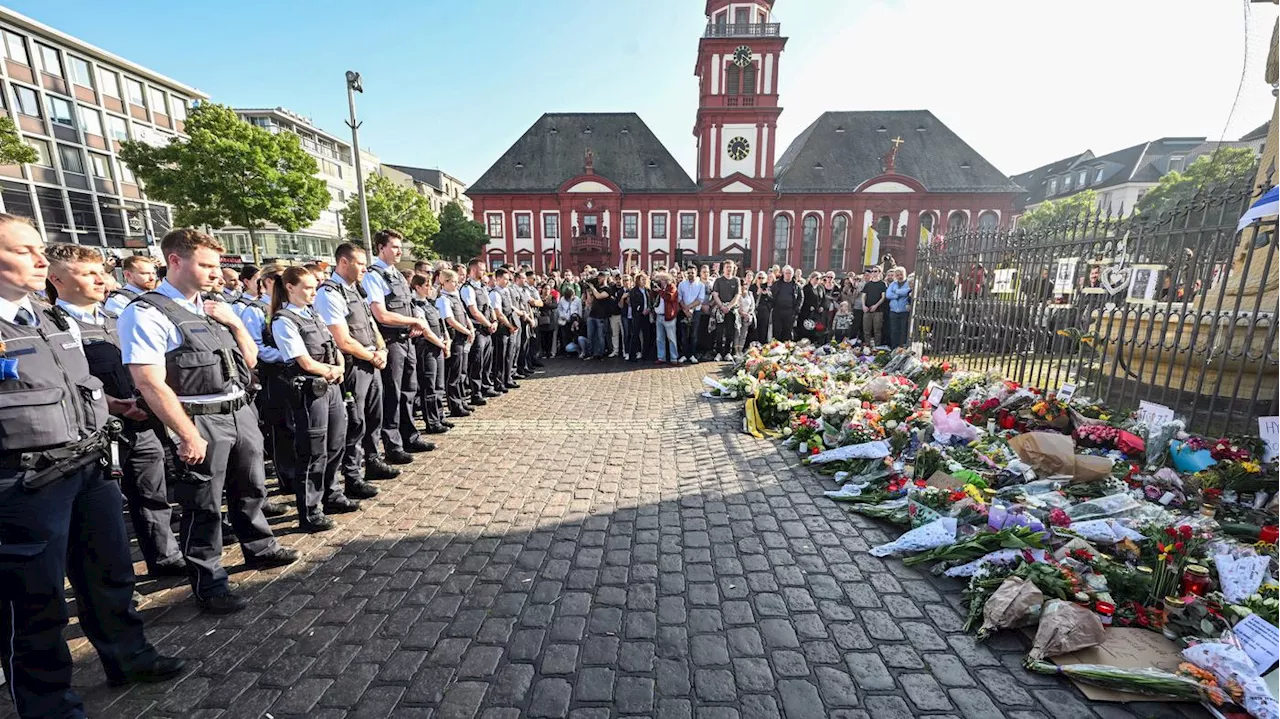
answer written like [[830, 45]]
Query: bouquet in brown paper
[[1050, 453], [1016, 603], [1065, 627]]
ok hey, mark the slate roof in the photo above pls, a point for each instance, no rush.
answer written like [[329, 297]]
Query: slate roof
[[850, 146], [1145, 162], [1035, 182], [554, 148], [1257, 133], [435, 178]]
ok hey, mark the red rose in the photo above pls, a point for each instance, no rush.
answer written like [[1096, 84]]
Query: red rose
[[1185, 531], [1171, 531]]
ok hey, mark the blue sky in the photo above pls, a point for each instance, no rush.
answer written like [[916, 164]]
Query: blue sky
[[453, 84]]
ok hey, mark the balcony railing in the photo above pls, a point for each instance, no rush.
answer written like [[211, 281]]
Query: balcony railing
[[740, 101], [744, 29]]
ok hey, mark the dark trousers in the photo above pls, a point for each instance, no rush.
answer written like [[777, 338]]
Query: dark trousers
[[364, 421], [430, 382], [517, 342], [706, 337], [689, 333], [524, 358], [784, 324], [639, 339], [319, 437], [479, 363], [399, 390], [454, 377], [856, 332], [500, 372], [143, 484], [233, 461], [763, 318], [898, 328], [276, 424], [725, 332], [74, 529]]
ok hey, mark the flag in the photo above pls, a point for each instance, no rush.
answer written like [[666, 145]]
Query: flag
[[924, 236], [870, 248], [1267, 206]]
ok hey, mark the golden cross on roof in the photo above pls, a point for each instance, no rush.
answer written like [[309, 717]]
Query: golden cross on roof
[[897, 141]]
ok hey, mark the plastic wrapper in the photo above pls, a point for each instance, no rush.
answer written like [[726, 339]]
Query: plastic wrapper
[[998, 558], [880, 388], [865, 450], [1065, 627], [1104, 531], [939, 533], [1229, 664], [1001, 514], [1102, 507], [1016, 603], [1240, 577], [949, 425], [1153, 682]]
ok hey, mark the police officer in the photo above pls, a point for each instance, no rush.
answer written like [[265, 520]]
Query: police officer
[[61, 516], [340, 304], [388, 295], [433, 349], [191, 361], [454, 314], [503, 340], [76, 282], [139, 276], [311, 385], [272, 419], [250, 291], [230, 284], [475, 297], [533, 305]]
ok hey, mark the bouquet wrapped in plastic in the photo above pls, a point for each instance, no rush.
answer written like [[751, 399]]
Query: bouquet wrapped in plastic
[[1154, 682], [1232, 667], [939, 533]]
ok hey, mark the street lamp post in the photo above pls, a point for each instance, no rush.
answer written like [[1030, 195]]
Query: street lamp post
[[354, 85]]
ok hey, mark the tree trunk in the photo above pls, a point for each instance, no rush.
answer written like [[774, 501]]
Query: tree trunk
[[253, 243]]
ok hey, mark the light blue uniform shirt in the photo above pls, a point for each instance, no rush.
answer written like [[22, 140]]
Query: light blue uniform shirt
[[285, 332], [116, 303], [91, 316], [376, 288], [254, 321]]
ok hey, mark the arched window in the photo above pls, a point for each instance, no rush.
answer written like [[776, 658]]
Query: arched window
[[928, 220], [884, 226], [839, 240], [782, 240], [988, 220], [749, 80], [809, 243], [956, 222], [732, 80]]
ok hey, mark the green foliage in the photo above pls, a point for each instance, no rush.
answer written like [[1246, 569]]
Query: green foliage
[[13, 151], [394, 206], [1052, 213], [1229, 165], [229, 172], [460, 237]]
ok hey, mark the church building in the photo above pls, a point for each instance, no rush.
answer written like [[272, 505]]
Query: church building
[[600, 189]]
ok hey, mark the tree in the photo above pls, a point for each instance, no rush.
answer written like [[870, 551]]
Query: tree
[[229, 172], [1052, 213], [1228, 165], [13, 151], [394, 206], [460, 237]]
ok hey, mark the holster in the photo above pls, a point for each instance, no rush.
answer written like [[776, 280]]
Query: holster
[[53, 464]]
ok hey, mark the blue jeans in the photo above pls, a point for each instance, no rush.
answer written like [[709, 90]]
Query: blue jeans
[[667, 338], [596, 329]]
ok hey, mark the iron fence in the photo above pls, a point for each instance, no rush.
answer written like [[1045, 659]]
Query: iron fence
[[1178, 309]]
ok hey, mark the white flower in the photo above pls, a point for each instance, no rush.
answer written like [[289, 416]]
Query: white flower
[[891, 424]]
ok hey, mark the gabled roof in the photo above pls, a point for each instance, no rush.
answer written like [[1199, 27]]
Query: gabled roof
[[1034, 182], [1145, 162], [553, 150], [841, 150], [1257, 133], [435, 178]]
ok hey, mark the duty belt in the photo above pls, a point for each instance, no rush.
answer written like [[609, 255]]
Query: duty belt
[[50, 465], [226, 406]]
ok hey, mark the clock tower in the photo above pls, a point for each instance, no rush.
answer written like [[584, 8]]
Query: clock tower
[[737, 74]]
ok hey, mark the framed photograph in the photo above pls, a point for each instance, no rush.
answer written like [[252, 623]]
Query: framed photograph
[[1145, 287], [1092, 282], [1064, 275]]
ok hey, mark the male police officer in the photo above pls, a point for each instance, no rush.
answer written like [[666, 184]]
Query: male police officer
[[139, 277], [504, 309], [389, 298], [191, 361], [475, 297], [60, 513], [77, 281], [340, 305]]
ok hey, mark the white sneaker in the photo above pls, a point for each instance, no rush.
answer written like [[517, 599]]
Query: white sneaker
[[682, 360], [613, 353], [626, 357], [693, 359], [719, 358]]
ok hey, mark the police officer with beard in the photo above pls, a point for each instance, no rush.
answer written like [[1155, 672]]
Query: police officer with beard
[[508, 328], [60, 513], [475, 296], [191, 361], [389, 297], [139, 276]]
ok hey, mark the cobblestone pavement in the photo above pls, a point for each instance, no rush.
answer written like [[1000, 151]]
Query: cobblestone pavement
[[600, 543]]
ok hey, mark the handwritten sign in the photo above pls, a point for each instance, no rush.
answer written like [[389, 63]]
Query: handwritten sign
[[1002, 284], [1154, 415], [1066, 392], [1269, 431], [934, 395], [1260, 639]]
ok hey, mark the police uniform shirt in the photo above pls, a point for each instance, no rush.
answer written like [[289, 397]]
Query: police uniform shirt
[[285, 333], [240, 307], [146, 335], [495, 301], [442, 306], [230, 295], [255, 322], [467, 294], [376, 288], [116, 303], [91, 316], [331, 307], [9, 310]]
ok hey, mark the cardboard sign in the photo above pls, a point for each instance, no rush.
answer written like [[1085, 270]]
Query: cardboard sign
[[1260, 639], [1066, 392], [1002, 284], [1269, 431], [934, 395], [1154, 415], [1127, 648], [943, 480]]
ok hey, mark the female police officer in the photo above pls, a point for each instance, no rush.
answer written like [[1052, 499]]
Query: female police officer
[[310, 383], [433, 349]]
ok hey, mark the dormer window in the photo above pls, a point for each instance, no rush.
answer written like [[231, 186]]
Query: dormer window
[[1053, 186], [1097, 175], [818, 166], [839, 128], [625, 131], [882, 128], [554, 131], [1176, 163], [1084, 177], [586, 131], [652, 163], [1066, 182]]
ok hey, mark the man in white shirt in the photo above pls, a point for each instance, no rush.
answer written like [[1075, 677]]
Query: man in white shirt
[[693, 296], [139, 277]]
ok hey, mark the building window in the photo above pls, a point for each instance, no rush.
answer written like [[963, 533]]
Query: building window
[[81, 73], [15, 48], [71, 159], [524, 226], [688, 226], [90, 121], [749, 79], [732, 80], [118, 128], [742, 16], [927, 220], [43, 157], [1176, 163], [956, 222], [28, 102], [110, 83], [101, 165], [494, 222], [1084, 178], [179, 109], [158, 102], [735, 226], [134, 90], [590, 225], [839, 241], [658, 227], [1066, 182], [988, 220], [809, 243], [1097, 177], [630, 226], [1053, 186], [50, 60], [126, 175], [60, 111], [781, 239], [551, 226]]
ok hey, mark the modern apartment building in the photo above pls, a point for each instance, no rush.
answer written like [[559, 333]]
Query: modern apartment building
[[75, 103], [438, 186]]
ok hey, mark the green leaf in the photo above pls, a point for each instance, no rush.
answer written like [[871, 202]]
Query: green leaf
[[393, 206]]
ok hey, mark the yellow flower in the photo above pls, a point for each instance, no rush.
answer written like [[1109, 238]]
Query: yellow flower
[[1104, 417], [1251, 467]]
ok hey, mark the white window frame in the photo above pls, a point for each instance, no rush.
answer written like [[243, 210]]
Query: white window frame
[[1097, 176], [11, 39], [488, 225], [1181, 161], [75, 76], [128, 91], [111, 131], [18, 105], [680, 225], [552, 215], [109, 83], [70, 119], [1066, 181], [44, 158], [100, 166], [155, 93], [666, 225], [631, 215], [1083, 179], [58, 70], [515, 220], [1053, 186]]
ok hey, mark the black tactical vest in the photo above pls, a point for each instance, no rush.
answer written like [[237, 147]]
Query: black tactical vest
[[102, 351], [459, 311], [359, 318], [481, 294], [48, 397], [127, 293], [247, 301], [313, 332], [209, 361], [398, 299], [508, 303], [432, 315]]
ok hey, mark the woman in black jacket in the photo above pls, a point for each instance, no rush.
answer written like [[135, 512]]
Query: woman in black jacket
[[813, 309], [764, 306]]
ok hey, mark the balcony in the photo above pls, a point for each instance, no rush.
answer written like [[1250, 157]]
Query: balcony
[[584, 242], [744, 29], [740, 101]]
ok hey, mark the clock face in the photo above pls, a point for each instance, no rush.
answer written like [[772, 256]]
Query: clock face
[[742, 56], [739, 148]]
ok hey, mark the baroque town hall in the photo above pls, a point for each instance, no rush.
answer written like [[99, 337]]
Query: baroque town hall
[[597, 188]]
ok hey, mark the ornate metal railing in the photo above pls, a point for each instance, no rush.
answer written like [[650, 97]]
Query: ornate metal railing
[[744, 29], [1178, 309]]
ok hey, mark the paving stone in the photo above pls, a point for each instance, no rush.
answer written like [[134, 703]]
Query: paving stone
[[868, 671], [837, 687], [594, 684], [924, 692], [714, 685], [1062, 704], [800, 699], [1004, 687], [975, 704], [550, 698], [888, 707], [753, 675]]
